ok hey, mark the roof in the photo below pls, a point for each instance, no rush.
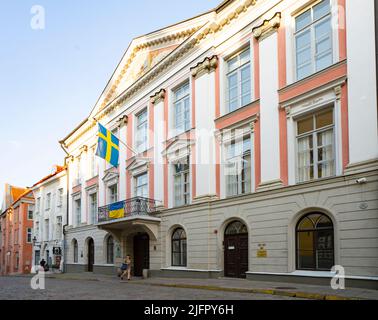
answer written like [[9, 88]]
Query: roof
[[18, 198], [57, 170], [17, 192]]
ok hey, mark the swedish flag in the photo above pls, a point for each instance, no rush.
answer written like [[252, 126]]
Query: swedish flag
[[108, 146]]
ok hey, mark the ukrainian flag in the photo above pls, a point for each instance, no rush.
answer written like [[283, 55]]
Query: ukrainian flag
[[116, 210], [108, 146]]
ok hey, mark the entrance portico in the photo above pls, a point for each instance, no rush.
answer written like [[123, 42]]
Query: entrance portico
[[137, 232]]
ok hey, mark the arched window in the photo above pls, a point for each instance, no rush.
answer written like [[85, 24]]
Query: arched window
[[110, 250], [315, 242], [236, 228], [75, 251], [179, 248]]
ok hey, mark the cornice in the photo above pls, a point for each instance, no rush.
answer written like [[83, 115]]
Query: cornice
[[197, 37]]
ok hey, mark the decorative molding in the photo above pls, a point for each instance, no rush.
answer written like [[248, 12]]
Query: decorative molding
[[83, 149], [338, 91], [124, 120], [208, 65], [158, 96], [213, 28], [267, 27]]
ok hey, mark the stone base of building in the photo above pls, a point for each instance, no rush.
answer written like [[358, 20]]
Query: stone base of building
[[177, 273], [360, 282], [79, 268]]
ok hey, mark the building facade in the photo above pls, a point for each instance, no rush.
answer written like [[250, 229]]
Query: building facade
[[16, 224], [49, 218], [251, 148]]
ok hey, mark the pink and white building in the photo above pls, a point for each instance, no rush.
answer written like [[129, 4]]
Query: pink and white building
[[253, 148]]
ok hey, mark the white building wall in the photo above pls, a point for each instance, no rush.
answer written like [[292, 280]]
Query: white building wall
[[270, 152], [362, 85]]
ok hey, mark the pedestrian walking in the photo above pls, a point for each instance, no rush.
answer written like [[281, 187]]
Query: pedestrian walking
[[126, 268]]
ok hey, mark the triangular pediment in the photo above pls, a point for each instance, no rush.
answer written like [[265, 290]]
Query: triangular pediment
[[138, 164], [178, 149], [111, 175], [143, 54]]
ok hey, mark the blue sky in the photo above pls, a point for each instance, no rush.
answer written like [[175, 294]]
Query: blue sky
[[50, 79]]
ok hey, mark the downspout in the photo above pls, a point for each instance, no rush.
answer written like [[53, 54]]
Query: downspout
[[67, 204], [376, 47]]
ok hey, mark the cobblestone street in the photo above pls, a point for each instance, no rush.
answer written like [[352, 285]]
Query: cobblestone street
[[107, 288]]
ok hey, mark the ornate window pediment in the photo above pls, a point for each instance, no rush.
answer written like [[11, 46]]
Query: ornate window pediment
[[138, 165], [111, 177], [178, 150]]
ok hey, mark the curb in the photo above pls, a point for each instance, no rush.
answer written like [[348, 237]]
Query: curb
[[293, 294]]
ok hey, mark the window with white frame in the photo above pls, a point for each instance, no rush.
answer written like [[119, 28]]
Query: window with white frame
[[78, 171], [60, 197], [29, 234], [238, 166], [30, 212], [113, 193], [59, 221], [181, 180], [313, 39], [78, 211], [141, 185], [141, 131], [48, 201], [47, 229], [315, 146], [93, 163], [181, 105], [38, 207], [93, 207], [239, 80], [37, 230]]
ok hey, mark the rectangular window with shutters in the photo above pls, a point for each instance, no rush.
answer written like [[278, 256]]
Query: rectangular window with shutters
[[239, 80], [313, 39], [316, 146]]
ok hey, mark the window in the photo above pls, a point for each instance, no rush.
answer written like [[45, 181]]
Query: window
[[179, 248], [17, 260], [59, 227], [182, 109], [110, 250], [29, 232], [48, 201], [315, 243], [141, 186], [142, 131], [93, 207], [113, 193], [239, 80], [75, 251], [313, 39], [78, 211], [47, 230], [182, 183], [238, 166], [38, 205], [30, 212], [93, 163], [37, 229], [78, 172], [315, 146], [60, 197]]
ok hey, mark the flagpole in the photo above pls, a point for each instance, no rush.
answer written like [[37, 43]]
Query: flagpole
[[125, 144]]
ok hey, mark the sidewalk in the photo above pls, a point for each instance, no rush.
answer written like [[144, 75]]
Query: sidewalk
[[239, 285]]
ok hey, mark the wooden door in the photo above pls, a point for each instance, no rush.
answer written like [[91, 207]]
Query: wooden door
[[236, 255], [141, 254], [91, 253]]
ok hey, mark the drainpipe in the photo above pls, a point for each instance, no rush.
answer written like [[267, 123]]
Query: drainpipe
[[67, 204]]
